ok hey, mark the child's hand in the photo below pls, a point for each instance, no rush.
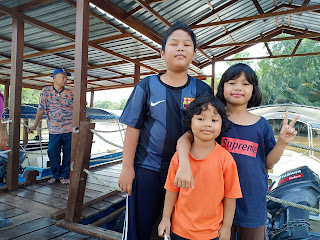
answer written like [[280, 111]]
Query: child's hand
[[164, 226], [184, 177], [288, 133], [224, 232], [126, 178]]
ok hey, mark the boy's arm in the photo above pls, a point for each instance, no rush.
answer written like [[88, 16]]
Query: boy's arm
[[165, 223], [229, 206], [286, 135], [184, 177], [129, 150]]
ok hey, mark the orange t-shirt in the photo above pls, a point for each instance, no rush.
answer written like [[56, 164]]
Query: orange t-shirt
[[198, 212]]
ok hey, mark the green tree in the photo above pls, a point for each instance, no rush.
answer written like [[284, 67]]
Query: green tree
[[111, 105], [241, 55], [294, 79], [28, 96]]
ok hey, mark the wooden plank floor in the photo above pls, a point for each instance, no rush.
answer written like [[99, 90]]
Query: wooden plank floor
[[34, 209]]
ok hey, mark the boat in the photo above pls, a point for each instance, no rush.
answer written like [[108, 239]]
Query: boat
[[295, 178], [33, 152]]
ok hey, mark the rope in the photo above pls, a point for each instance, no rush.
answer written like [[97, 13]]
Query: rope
[[29, 127], [101, 131], [304, 147], [101, 159], [6, 151], [102, 181], [111, 143], [296, 205], [7, 121]]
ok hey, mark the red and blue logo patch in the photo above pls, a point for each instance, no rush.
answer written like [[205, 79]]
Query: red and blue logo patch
[[186, 102]]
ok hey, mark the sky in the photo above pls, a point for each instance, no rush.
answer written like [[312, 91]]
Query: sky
[[116, 95]]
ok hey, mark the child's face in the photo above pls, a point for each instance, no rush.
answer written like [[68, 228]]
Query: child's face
[[179, 51], [207, 125], [238, 91]]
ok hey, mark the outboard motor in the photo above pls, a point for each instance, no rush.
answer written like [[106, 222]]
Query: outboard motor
[[300, 185]]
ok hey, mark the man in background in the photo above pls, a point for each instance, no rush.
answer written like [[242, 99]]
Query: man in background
[[57, 102]]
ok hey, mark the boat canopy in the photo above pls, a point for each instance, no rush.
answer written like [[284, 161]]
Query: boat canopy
[[308, 114], [29, 111]]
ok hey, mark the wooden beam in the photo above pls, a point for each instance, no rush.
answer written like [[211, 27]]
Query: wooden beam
[[136, 74], [271, 57], [225, 34], [115, 87], [261, 16], [258, 7], [6, 94], [296, 47], [81, 62], [291, 6], [92, 97], [153, 12], [114, 10], [213, 75], [15, 102], [78, 177], [268, 49], [224, 28], [35, 22], [305, 3], [28, 6], [265, 40], [132, 12], [213, 12]]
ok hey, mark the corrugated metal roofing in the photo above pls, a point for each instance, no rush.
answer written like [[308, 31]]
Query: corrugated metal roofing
[[107, 70]]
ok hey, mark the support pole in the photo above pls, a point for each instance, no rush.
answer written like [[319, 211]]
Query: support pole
[[213, 76], [92, 97], [136, 73], [6, 94], [81, 62], [77, 180], [25, 132], [15, 102], [78, 177], [80, 69]]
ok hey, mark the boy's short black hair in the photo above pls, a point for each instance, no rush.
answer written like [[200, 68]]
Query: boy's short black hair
[[201, 104], [234, 72], [178, 25]]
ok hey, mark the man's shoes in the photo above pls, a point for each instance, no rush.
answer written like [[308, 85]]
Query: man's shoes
[[52, 180], [64, 180], [4, 222]]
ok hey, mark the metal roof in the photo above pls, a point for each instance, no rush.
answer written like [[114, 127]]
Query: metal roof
[[53, 25]]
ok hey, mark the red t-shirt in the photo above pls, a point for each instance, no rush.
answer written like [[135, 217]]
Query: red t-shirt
[[198, 212]]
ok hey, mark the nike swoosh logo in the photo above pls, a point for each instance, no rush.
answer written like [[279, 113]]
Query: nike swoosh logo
[[152, 104]]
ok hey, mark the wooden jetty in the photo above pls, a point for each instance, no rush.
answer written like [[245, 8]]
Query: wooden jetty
[[35, 209]]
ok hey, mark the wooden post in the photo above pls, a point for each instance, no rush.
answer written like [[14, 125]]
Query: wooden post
[[78, 177], [6, 94], [136, 73], [25, 132], [213, 75], [80, 70], [15, 102], [81, 62], [92, 97]]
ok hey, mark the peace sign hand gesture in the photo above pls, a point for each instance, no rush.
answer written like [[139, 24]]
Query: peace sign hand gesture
[[288, 133]]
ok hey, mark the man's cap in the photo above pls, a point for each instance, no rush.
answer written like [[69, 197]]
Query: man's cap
[[60, 70]]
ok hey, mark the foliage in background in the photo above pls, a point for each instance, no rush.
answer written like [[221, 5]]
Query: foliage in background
[[295, 79], [28, 96], [111, 105]]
